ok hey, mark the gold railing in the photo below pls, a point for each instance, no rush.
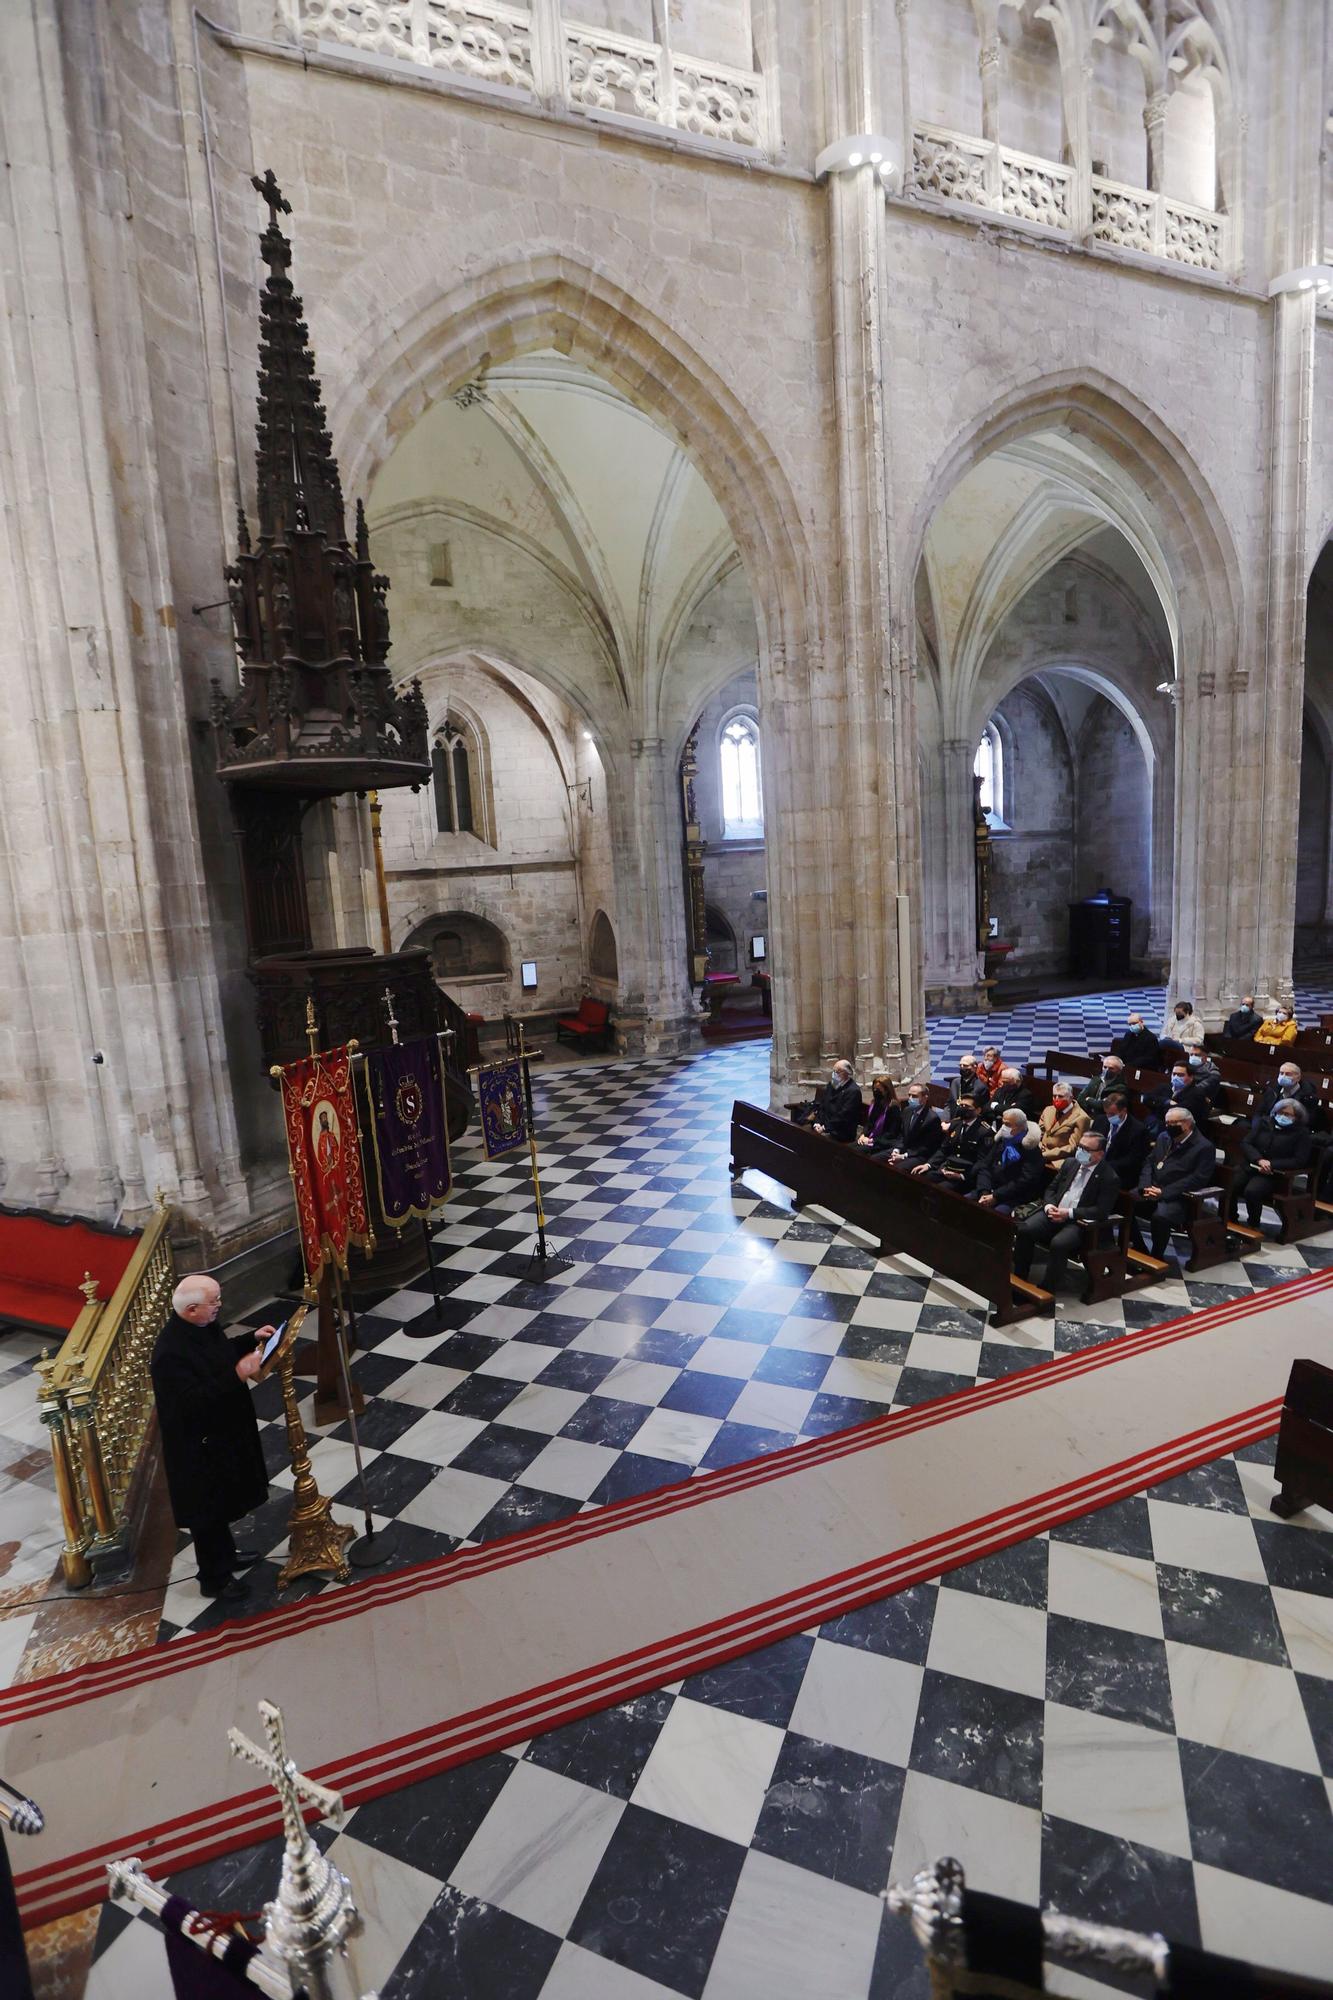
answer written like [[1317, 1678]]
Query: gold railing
[[96, 1401]]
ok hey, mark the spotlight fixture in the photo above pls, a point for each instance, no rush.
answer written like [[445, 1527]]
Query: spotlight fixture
[[1309, 278], [860, 149]]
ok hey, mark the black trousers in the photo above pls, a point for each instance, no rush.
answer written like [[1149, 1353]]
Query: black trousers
[[1162, 1215], [1061, 1240], [215, 1550], [1254, 1189]]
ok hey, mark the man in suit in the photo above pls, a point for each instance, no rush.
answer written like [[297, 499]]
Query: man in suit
[[1084, 1190], [1139, 1047], [1012, 1095], [923, 1132], [1127, 1138], [1291, 1087], [1012, 1172], [969, 1084], [1181, 1090], [1180, 1162], [1241, 1025], [1110, 1077], [838, 1109], [211, 1452], [967, 1139]]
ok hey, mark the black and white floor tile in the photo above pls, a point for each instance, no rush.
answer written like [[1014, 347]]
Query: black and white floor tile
[[1130, 1719]]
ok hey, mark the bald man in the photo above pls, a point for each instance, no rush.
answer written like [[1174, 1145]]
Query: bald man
[[210, 1439]]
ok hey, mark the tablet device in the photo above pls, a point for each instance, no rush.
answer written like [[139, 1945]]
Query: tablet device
[[270, 1345]]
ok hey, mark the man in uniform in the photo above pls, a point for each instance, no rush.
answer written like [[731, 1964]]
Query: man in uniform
[[210, 1438]]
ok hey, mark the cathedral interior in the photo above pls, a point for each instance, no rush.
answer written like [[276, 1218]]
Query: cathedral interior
[[666, 800]]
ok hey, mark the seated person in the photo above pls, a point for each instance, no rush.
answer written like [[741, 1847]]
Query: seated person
[[1127, 1138], [1110, 1077], [1182, 1090], [1275, 1145], [1291, 1087], [1012, 1095], [991, 1069], [922, 1134], [1084, 1190], [966, 1140], [1139, 1048], [882, 1121], [1011, 1173], [1276, 1032], [970, 1083], [1240, 1026], [1180, 1162], [1205, 1075], [1182, 1029], [837, 1109], [1060, 1125]]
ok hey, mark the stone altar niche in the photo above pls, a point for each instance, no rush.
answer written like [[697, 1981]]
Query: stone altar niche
[[316, 715]]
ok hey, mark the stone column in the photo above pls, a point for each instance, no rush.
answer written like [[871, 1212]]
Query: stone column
[[988, 66], [1154, 124], [960, 967], [865, 731], [657, 1017]]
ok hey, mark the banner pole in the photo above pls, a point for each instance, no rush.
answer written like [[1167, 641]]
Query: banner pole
[[371, 1549], [544, 1257]]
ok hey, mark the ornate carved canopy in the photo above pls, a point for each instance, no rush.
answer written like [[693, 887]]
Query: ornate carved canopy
[[317, 711]]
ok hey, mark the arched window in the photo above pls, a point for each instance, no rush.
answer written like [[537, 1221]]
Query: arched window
[[451, 770], [742, 792], [988, 765], [603, 959]]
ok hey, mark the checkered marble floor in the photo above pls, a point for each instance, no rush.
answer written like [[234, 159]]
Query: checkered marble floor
[[1130, 1719], [697, 1324]]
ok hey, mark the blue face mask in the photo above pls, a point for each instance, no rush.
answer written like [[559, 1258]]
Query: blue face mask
[[1178, 1082], [1285, 1123], [1196, 1062], [1116, 1120]]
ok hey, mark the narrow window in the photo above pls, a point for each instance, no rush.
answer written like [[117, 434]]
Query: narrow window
[[742, 795]]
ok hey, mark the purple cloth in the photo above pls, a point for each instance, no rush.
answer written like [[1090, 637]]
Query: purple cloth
[[195, 1973], [409, 1136]]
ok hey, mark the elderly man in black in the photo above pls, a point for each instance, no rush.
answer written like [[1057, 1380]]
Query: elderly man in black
[[837, 1110], [210, 1439], [1084, 1190], [1181, 1162], [1241, 1025]]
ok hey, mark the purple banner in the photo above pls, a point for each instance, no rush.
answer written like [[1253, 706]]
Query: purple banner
[[409, 1135], [504, 1123]]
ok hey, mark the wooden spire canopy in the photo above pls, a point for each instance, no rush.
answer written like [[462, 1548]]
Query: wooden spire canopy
[[317, 712]]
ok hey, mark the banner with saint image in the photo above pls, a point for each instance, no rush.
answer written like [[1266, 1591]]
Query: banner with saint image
[[323, 1146], [500, 1106], [408, 1129]]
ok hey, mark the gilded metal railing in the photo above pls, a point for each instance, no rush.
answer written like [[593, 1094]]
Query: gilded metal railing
[[96, 1400]]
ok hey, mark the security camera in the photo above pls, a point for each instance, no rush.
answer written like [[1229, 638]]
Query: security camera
[[98, 1057]]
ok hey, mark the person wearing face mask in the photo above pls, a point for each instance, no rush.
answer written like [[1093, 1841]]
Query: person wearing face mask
[[837, 1110], [883, 1122], [1127, 1138], [1181, 1089], [1291, 1086], [1278, 1030], [1182, 1029], [991, 1069], [1138, 1047], [1084, 1190], [1205, 1075], [969, 1083], [1012, 1095], [923, 1131], [1060, 1126], [1110, 1077], [1240, 1026], [1011, 1173], [966, 1140], [1274, 1145], [211, 1451], [1180, 1162]]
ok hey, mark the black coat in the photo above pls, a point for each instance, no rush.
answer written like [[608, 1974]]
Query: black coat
[[210, 1437], [1090, 1097], [890, 1132], [1013, 1182], [974, 1087], [1287, 1146], [1193, 1098], [1126, 1148], [922, 1135], [1241, 1025], [966, 1142], [1011, 1097], [1101, 1191], [1305, 1093], [1140, 1051], [1182, 1169], [838, 1108]]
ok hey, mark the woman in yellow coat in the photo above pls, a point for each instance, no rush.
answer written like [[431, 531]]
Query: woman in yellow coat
[[1278, 1030]]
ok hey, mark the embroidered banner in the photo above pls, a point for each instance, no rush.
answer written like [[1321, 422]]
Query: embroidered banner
[[408, 1130], [324, 1151], [504, 1122]]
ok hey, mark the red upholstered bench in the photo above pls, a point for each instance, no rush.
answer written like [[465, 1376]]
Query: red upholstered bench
[[43, 1259], [590, 1028]]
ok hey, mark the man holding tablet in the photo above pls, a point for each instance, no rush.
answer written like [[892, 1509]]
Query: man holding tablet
[[210, 1438]]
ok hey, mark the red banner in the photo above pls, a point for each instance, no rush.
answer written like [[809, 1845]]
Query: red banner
[[323, 1145]]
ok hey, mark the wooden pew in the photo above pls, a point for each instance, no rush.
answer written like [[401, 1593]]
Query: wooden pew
[[957, 1238]]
